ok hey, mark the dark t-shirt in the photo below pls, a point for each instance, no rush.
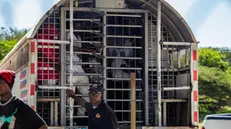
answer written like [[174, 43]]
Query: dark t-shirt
[[102, 117], [18, 115]]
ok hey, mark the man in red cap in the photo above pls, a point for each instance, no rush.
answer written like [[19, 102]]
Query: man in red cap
[[15, 114]]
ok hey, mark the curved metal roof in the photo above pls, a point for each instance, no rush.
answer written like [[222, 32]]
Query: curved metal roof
[[170, 17]]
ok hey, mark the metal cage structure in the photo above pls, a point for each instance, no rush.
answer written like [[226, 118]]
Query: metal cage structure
[[76, 44]]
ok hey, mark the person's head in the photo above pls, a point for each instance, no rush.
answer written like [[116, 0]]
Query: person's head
[[95, 93], [6, 81]]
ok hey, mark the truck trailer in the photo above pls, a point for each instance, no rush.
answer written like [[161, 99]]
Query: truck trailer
[[79, 42]]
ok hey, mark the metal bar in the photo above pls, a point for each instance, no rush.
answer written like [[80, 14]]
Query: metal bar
[[122, 15], [80, 84], [53, 41], [86, 74], [177, 43], [116, 89], [78, 117], [52, 113], [48, 99], [130, 26], [54, 87], [105, 54], [133, 100], [127, 122], [84, 63], [123, 68], [90, 20], [71, 58], [44, 46], [165, 114], [91, 42], [122, 36], [89, 31], [146, 79], [124, 47], [173, 101], [159, 63], [85, 53], [76, 106], [163, 69], [123, 79], [108, 10], [164, 48], [46, 68], [56, 113], [125, 58], [63, 78], [176, 88]]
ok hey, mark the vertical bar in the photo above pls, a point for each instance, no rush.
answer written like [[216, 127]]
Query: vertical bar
[[52, 113], [159, 63], [165, 113], [56, 113], [63, 64], [105, 54], [71, 62], [133, 100], [33, 73], [146, 71], [194, 82]]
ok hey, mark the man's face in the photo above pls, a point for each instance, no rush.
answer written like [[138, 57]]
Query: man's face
[[4, 88], [95, 97]]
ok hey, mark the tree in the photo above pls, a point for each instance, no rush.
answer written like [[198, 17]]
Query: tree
[[8, 38], [211, 57], [214, 90], [214, 81]]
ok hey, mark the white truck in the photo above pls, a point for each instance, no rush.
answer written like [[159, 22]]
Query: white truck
[[76, 44], [217, 121]]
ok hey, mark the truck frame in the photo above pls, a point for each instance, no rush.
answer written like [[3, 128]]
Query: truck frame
[[107, 40]]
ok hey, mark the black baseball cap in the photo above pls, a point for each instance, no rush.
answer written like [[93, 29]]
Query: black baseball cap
[[96, 87]]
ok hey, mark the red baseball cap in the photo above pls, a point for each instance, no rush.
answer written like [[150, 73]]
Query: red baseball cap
[[8, 76]]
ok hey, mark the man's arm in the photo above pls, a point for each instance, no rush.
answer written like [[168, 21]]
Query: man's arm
[[79, 101]]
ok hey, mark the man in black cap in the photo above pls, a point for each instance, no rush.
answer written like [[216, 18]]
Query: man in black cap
[[15, 114], [100, 115]]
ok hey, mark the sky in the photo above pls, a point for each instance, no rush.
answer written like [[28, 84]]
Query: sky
[[209, 19]]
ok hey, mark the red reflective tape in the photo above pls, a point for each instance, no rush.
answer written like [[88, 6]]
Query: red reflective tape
[[195, 75], [32, 68], [32, 89], [194, 54], [32, 48], [195, 96], [32, 107], [195, 116]]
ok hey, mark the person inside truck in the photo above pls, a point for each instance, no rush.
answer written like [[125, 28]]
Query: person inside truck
[[100, 115], [14, 113]]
